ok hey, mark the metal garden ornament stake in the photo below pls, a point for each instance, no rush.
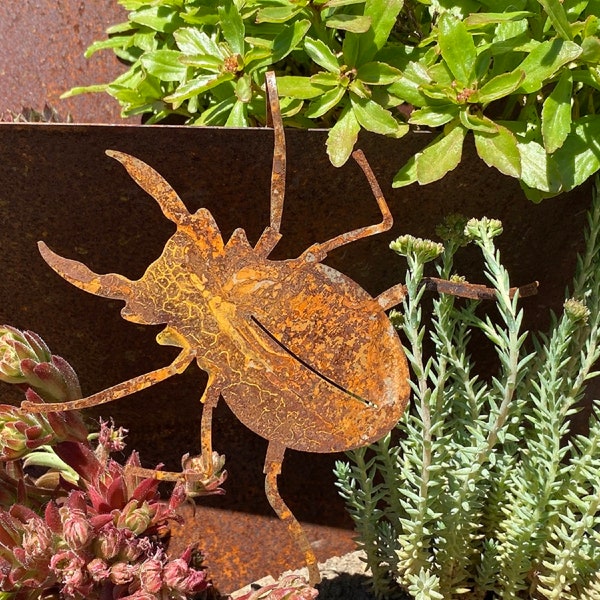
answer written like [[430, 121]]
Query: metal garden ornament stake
[[301, 354]]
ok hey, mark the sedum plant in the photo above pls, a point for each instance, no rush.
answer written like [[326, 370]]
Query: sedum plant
[[521, 79], [482, 493]]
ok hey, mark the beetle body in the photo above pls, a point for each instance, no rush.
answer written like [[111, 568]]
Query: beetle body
[[290, 344]]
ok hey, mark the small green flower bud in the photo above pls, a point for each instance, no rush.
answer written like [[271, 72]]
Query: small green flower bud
[[452, 229], [576, 310], [477, 229], [425, 250], [136, 518]]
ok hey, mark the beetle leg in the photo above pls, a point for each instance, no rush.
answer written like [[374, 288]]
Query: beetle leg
[[392, 297], [271, 235], [209, 399], [272, 469], [115, 392], [475, 291], [362, 232]]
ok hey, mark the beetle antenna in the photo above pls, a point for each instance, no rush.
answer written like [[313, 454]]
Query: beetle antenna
[[154, 184], [271, 235]]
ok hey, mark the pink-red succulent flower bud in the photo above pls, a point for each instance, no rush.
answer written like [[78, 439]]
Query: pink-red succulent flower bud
[[108, 542], [70, 570], [151, 574], [36, 543], [15, 347], [77, 530], [25, 359], [98, 570], [203, 478], [20, 433], [122, 573]]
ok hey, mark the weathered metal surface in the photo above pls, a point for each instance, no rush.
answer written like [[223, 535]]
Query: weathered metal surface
[[241, 548], [41, 56], [56, 184], [302, 354]]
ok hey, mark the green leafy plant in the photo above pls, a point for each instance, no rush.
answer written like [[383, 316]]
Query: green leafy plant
[[482, 493], [522, 80]]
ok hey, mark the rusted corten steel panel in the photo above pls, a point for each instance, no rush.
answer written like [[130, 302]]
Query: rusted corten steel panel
[[42, 43], [57, 185]]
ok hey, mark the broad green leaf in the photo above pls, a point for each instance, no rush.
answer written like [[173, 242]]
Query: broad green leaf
[[434, 116], [290, 107], [243, 88], [556, 113], [277, 14], [336, 3], [590, 50], [407, 174], [457, 47], [325, 79], [321, 54], [323, 104], [544, 61], [353, 23], [558, 17], [120, 28], [147, 41], [342, 137], [113, 42], [232, 26], [579, 156], [499, 87], [87, 89], [441, 156], [217, 114], [378, 73], [165, 65], [198, 85], [538, 170], [361, 48], [132, 4], [159, 18], [409, 86], [478, 19], [288, 39], [360, 89], [203, 61], [475, 122], [193, 41], [499, 150], [373, 117], [294, 86], [238, 117]]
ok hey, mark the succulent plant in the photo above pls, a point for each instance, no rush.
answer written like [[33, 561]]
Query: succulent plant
[[87, 526]]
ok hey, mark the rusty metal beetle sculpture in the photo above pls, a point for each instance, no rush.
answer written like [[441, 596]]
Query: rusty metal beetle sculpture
[[302, 354]]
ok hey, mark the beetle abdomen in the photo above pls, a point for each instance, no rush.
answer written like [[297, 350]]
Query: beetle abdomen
[[329, 372]]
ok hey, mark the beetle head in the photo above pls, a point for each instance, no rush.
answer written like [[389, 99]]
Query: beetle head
[[112, 285], [153, 298]]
